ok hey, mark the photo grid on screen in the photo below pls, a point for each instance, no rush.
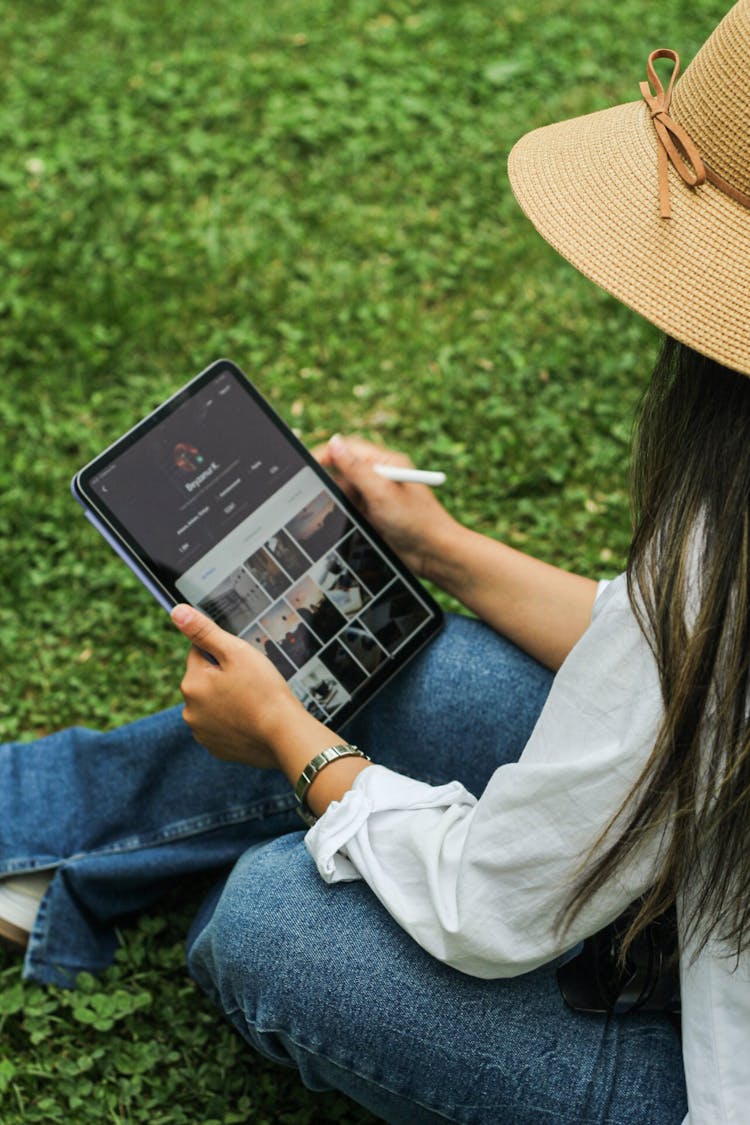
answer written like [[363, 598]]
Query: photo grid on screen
[[322, 603]]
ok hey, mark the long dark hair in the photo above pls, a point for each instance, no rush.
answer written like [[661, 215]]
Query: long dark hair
[[689, 584]]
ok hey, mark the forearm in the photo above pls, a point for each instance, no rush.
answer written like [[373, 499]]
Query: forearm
[[542, 609]]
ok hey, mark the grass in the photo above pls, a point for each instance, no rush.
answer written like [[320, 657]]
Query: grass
[[318, 191]]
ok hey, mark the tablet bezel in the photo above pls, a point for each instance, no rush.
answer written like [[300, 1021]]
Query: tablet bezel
[[166, 593]]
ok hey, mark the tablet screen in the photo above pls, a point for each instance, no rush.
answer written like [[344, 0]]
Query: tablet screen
[[221, 504]]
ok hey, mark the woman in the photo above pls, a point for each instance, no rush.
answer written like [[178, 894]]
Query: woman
[[537, 809]]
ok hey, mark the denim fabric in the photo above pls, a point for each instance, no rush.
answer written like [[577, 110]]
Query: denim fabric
[[120, 816], [316, 976], [321, 978]]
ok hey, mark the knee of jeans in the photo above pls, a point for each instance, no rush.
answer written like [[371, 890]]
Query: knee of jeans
[[255, 941], [227, 962]]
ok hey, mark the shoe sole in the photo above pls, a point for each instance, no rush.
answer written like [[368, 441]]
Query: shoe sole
[[13, 936]]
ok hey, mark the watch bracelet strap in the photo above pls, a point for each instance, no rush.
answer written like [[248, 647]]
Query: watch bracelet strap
[[314, 767]]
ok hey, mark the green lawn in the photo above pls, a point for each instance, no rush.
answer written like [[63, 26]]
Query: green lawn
[[317, 190]]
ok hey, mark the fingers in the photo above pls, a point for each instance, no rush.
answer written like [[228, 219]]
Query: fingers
[[322, 454], [340, 450], [352, 461], [202, 632]]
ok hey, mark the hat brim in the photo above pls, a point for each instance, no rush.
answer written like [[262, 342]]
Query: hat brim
[[589, 186]]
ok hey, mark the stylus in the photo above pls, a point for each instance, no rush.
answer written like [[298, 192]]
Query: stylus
[[410, 476]]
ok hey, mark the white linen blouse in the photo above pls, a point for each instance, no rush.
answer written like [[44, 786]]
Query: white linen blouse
[[477, 882]]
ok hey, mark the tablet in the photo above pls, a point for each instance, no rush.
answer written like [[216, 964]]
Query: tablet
[[212, 500]]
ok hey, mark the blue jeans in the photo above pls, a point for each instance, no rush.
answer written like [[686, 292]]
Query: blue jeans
[[319, 977]]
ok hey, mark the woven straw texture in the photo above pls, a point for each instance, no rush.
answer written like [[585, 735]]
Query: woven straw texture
[[590, 187]]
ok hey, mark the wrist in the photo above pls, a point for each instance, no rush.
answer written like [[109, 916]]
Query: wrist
[[334, 782], [443, 556], [295, 741], [332, 756], [294, 736]]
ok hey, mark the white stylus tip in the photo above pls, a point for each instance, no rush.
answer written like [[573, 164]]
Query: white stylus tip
[[410, 476]]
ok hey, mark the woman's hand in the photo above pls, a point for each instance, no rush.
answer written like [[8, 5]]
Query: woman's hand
[[239, 707], [237, 702], [409, 516], [540, 608]]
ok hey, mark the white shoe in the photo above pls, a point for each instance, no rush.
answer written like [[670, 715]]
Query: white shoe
[[20, 896]]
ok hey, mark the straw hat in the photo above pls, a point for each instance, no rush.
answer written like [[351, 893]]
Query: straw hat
[[651, 200]]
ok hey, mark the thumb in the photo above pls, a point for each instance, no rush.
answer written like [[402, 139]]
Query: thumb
[[204, 633]]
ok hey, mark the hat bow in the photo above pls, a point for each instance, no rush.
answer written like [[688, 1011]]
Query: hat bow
[[675, 143]]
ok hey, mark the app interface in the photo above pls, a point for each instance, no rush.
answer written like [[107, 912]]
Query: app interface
[[250, 534]]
